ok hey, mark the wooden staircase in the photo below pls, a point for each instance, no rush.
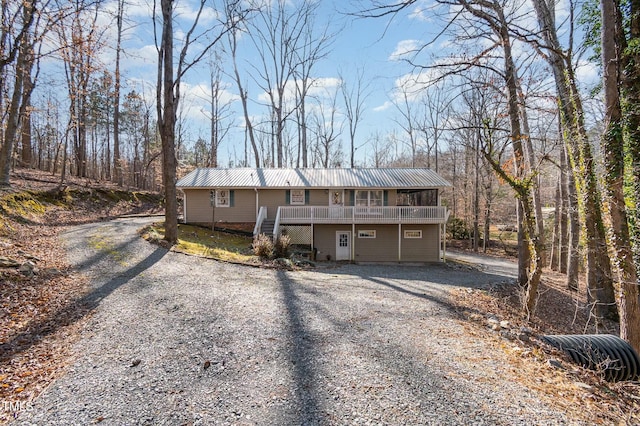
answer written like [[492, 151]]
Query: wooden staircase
[[267, 227]]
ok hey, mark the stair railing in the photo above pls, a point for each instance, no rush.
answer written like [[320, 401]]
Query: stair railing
[[262, 215]]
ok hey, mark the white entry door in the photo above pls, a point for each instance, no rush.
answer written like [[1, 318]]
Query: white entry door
[[343, 245]]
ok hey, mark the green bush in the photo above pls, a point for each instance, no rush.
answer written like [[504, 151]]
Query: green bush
[[457, 229], [263, 247]]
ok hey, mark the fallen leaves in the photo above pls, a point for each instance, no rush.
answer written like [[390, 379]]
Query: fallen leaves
[[40, 317], [577, 391]]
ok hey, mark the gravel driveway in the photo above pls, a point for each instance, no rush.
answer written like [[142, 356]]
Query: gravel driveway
[[181, 340]]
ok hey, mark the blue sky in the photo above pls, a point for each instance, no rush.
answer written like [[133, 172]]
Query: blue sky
[[359, 43], [372, 44]]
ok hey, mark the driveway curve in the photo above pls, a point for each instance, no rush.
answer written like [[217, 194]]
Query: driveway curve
[[179, 340]]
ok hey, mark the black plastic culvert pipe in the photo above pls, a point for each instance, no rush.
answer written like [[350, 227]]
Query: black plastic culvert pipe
[[600, 352]]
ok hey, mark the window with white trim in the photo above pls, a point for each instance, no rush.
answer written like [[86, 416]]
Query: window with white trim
[[367, 233], [297, 197], [222, 198], [413, 233], [369, 198]]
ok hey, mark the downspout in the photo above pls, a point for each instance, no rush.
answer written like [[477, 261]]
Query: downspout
[[353, 241], [444, 236], [257, 202]]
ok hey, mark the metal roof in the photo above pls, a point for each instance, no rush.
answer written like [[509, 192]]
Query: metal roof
[[313, 178]]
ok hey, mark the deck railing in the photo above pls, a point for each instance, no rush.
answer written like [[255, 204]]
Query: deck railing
[[380, 215]]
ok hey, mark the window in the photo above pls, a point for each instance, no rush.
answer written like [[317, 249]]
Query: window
[[417, 197], [369, 198], [369, 233], [222, 198], [297, 197], [413, 233]]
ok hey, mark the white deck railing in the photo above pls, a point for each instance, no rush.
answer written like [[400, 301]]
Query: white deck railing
[[380, 215]]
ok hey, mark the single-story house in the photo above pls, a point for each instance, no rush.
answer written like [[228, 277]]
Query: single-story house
[[360, 215]]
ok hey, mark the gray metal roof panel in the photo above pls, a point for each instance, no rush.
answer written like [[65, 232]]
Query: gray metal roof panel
[[313, 178]]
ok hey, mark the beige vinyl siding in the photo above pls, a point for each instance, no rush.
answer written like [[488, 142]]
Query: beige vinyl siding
[[199, 210], [383, 248], [324, 240], [318, 197], [272, 199], [243, 210], [425, 249], [197, 206]]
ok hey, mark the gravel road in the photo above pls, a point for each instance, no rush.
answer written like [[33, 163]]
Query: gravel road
[[179, 340]]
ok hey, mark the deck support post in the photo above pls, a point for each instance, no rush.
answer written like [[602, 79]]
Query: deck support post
[[399, 242]]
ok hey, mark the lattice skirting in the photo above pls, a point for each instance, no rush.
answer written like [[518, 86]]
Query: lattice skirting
[[298, 234]]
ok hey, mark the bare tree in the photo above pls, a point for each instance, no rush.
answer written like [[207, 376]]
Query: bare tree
[[312, 49], [407, 121], [80, 38], [219, 110], [232, 40], [285, 43], [492, 15], [437, 110], [380, 150], [168, 89], [327, 129], [354, 95], [599, 277], [117, 166], [15, 43], [613, 56]]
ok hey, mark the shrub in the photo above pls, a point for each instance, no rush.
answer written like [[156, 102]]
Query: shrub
[[457, 229], [282, 246], [263, 247]]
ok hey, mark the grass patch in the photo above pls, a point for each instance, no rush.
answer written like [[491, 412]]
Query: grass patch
[[21, 207], [206, 243]]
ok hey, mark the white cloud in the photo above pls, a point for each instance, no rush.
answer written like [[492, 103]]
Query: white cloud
[[136, 59], [384, 107], [201, 93], [587, 72], [320, 87], [412, 85], [405, 48], [185, 12], [423, 11]]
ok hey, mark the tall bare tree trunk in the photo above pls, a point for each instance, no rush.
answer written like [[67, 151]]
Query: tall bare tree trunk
[[571, 201], [117, 162], [599, 279], [613, 43], [167, 104], [556, 241], [476, 193], [530, 162], [25, 113], [522, 184], [487, 214], [564, 213], [13, 116], [19, 47], [243, 98], [632, 115]]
